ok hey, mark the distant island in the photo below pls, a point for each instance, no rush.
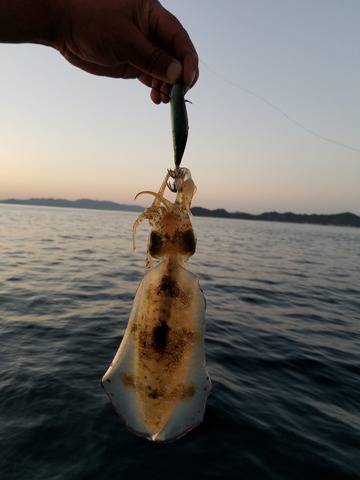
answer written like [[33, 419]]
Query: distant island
[[345, 219], [81, 203]]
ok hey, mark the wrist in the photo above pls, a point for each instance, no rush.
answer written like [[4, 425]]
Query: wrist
[[32, 21]]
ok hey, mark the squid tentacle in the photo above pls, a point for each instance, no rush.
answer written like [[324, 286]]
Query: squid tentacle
[[168, 205]]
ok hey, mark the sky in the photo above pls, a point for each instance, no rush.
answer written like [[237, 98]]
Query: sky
[[65, 133]]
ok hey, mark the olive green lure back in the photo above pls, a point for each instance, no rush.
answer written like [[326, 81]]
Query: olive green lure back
[[179, 122]]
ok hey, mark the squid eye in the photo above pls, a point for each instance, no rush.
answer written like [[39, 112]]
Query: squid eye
[[155, 244], [188, 242], [182, 243]]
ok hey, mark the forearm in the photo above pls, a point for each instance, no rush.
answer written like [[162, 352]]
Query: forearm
[[30, 21]]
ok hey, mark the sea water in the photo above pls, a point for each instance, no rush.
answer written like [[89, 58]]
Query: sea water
[[282, 343]]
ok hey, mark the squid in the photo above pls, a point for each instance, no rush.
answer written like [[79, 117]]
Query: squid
[[158, 382]]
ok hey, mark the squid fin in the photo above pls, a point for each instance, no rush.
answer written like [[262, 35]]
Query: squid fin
[[156, 401]]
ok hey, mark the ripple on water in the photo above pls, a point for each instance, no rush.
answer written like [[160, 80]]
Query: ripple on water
[[282, 345]]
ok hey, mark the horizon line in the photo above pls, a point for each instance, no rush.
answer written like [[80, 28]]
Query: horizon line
[[133, 206]]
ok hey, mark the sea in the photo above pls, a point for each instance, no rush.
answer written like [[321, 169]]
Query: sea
[[282, 347]]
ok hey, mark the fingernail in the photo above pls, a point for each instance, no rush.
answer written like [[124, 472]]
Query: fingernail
[[173, 72]]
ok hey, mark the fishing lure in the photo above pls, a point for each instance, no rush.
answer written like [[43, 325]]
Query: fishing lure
[[157, 381], [179, 122]]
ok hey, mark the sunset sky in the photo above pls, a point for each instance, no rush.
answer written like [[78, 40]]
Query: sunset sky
[[65, 133]]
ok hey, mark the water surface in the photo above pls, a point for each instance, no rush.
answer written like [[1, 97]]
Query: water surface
[[282, 341]]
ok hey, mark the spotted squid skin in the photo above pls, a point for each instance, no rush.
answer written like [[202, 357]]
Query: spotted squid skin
[[158, 366], [158, 382]]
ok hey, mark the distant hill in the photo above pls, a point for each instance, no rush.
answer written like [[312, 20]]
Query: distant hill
[[346, 219], [81, 203]]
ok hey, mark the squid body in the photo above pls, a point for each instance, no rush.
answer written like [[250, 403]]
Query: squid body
[[157, 381]]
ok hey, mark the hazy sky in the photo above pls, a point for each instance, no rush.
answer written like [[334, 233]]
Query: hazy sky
[[65, 133]]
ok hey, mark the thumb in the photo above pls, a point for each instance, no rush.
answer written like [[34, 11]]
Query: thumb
[[152, 60]]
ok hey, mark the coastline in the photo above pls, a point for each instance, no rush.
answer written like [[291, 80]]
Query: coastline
[[345, 219]]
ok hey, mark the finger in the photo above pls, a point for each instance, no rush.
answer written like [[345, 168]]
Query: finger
[[145, 79], [165, 88], [155, 84], [164, 92], [168, 31], [119, 71], [161, 89], [164, 98], [153, 60], [155, 96]]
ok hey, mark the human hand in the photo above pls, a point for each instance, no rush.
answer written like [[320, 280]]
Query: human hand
[[128, 39]]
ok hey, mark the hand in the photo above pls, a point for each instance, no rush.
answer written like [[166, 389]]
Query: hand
[[128, 39]]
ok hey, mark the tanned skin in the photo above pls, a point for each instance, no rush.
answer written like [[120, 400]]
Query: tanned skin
[[114, 38]]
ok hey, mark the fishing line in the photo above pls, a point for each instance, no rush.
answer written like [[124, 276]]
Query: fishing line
[[279, 110]]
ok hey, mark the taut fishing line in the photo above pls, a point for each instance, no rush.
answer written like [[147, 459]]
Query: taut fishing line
[[279, 110]]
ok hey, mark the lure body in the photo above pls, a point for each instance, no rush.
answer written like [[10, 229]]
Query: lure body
[[158, 382], [179, 122]]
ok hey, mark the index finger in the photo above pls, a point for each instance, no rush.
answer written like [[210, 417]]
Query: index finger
[[172, 36]]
